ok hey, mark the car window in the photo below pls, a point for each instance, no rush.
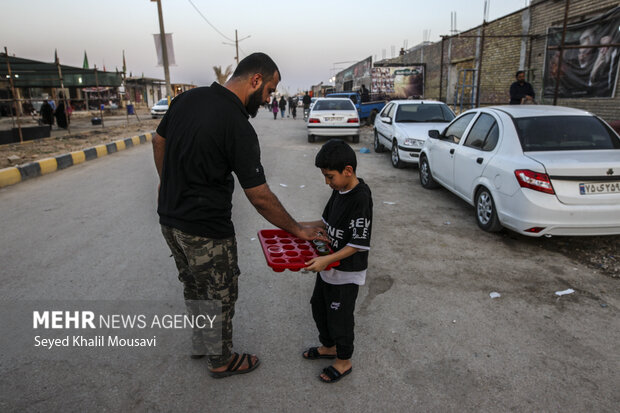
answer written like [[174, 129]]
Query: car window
[[480, 131], [391, 112], [386, 109], [333, 105], [564, 133], [353, 98], [162, 102], [455, 131], [491, 141], [447, 113], [414, 112]]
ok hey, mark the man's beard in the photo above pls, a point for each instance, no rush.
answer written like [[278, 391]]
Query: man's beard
[[256, 99]]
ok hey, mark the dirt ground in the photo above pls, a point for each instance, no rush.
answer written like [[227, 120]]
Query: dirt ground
[[83, 135]]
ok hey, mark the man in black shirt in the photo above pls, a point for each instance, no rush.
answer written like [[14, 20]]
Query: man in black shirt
[[521, 91], [202, 139]]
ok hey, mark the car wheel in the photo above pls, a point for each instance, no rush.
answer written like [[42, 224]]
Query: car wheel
[[486, 213], [426, 177], [311, 138], [396, 162], [378, 147], [356, 139]]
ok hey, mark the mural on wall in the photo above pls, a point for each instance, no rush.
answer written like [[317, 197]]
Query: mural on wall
[[585, 71], [399, 82]]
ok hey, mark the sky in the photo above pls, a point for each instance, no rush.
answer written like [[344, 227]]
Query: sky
[[309, 40]]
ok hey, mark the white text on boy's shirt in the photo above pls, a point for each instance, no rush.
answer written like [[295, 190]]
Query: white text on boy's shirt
[[360, 228], [334, 235]]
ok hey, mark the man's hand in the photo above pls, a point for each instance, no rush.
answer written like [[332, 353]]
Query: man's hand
[[310, 233], [319, 263]]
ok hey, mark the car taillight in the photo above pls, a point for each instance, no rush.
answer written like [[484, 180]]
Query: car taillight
[[353, 120], [534, 180], [534, 230], [313, 120]]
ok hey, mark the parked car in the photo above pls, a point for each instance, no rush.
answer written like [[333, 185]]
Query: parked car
[[366, 111], [403, 127], [160, 108], [537, 170], [333, 117]]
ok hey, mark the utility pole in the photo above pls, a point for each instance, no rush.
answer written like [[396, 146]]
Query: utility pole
[[164, 50], [237, 40], [15, 99]]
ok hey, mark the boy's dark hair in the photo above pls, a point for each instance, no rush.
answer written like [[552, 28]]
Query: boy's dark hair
[[336, 155], [519, 72], [257, 63]]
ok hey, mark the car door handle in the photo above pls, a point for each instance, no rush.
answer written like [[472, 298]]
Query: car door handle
[[480, 160], [452, 151]]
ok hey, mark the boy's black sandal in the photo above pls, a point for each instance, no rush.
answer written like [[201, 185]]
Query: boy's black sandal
[[313, 354], [333, 374], [233, 366]]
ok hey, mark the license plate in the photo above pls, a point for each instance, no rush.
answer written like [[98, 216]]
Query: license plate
[[332, 119], [596, 188]]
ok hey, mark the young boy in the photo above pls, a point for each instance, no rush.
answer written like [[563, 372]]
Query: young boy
[[347, 220]]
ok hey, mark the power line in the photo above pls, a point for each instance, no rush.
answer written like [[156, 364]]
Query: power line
[[205, 19]]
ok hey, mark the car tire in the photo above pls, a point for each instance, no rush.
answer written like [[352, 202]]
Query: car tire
[[378, 146], [311, 138], [426, 176], [486, 213], [395, 157], [355, 139]]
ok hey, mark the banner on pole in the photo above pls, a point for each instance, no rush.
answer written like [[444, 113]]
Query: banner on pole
[[169, 47]]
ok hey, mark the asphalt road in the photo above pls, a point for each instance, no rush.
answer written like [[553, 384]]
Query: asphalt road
[[428, 335]]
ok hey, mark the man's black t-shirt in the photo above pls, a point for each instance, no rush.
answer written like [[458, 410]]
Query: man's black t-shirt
[[348, 218], [518, 91], [208, 136]]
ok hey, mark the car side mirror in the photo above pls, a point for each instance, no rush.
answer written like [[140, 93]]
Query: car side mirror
[[386, 120], [433, 133]]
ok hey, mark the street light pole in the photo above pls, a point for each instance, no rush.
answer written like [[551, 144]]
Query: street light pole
[[164, 49]]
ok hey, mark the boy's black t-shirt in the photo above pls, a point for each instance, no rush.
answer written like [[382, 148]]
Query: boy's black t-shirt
[[208, 136], [348, 218]]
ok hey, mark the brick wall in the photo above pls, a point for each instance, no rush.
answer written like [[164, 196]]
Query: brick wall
[[502, 57]]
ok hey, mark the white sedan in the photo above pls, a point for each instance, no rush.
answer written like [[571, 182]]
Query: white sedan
[[333, 117], [159, 109], [537, 170], [403, 127]]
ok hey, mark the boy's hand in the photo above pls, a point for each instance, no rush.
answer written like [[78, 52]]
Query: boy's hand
[[318, 264]]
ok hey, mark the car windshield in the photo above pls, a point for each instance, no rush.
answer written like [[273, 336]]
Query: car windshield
[[334, 105], [422, 113], [163, 102], [564, 133]]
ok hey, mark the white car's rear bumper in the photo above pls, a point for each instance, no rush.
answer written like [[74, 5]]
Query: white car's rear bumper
[[333, 131], [530, 209]]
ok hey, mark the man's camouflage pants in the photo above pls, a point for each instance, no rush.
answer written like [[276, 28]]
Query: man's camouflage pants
[[208, 270]]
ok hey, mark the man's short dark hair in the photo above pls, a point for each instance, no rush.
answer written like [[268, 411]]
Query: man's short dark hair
[[257, 63], [335, 155], [519, 72]]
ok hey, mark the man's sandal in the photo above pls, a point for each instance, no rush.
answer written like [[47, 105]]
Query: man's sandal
[[313, 354], [333, 374], [233, 366]]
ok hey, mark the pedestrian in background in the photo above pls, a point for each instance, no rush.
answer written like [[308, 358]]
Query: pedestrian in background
[[204, 137], [521, 92], [47, 113], [274, 107], [62, 117], [282, 105]]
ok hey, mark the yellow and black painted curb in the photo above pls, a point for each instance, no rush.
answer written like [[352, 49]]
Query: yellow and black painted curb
[[17, 174]]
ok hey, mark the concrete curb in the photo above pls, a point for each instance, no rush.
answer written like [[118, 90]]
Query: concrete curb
[[17, 174]]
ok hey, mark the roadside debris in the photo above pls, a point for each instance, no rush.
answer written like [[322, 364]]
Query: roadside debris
[[389, 203], [302, 186], [364, 150], [284, 185], [495, 295], [565, 292]]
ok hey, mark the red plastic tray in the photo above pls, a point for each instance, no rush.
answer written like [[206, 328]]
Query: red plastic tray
[[284, 251]]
